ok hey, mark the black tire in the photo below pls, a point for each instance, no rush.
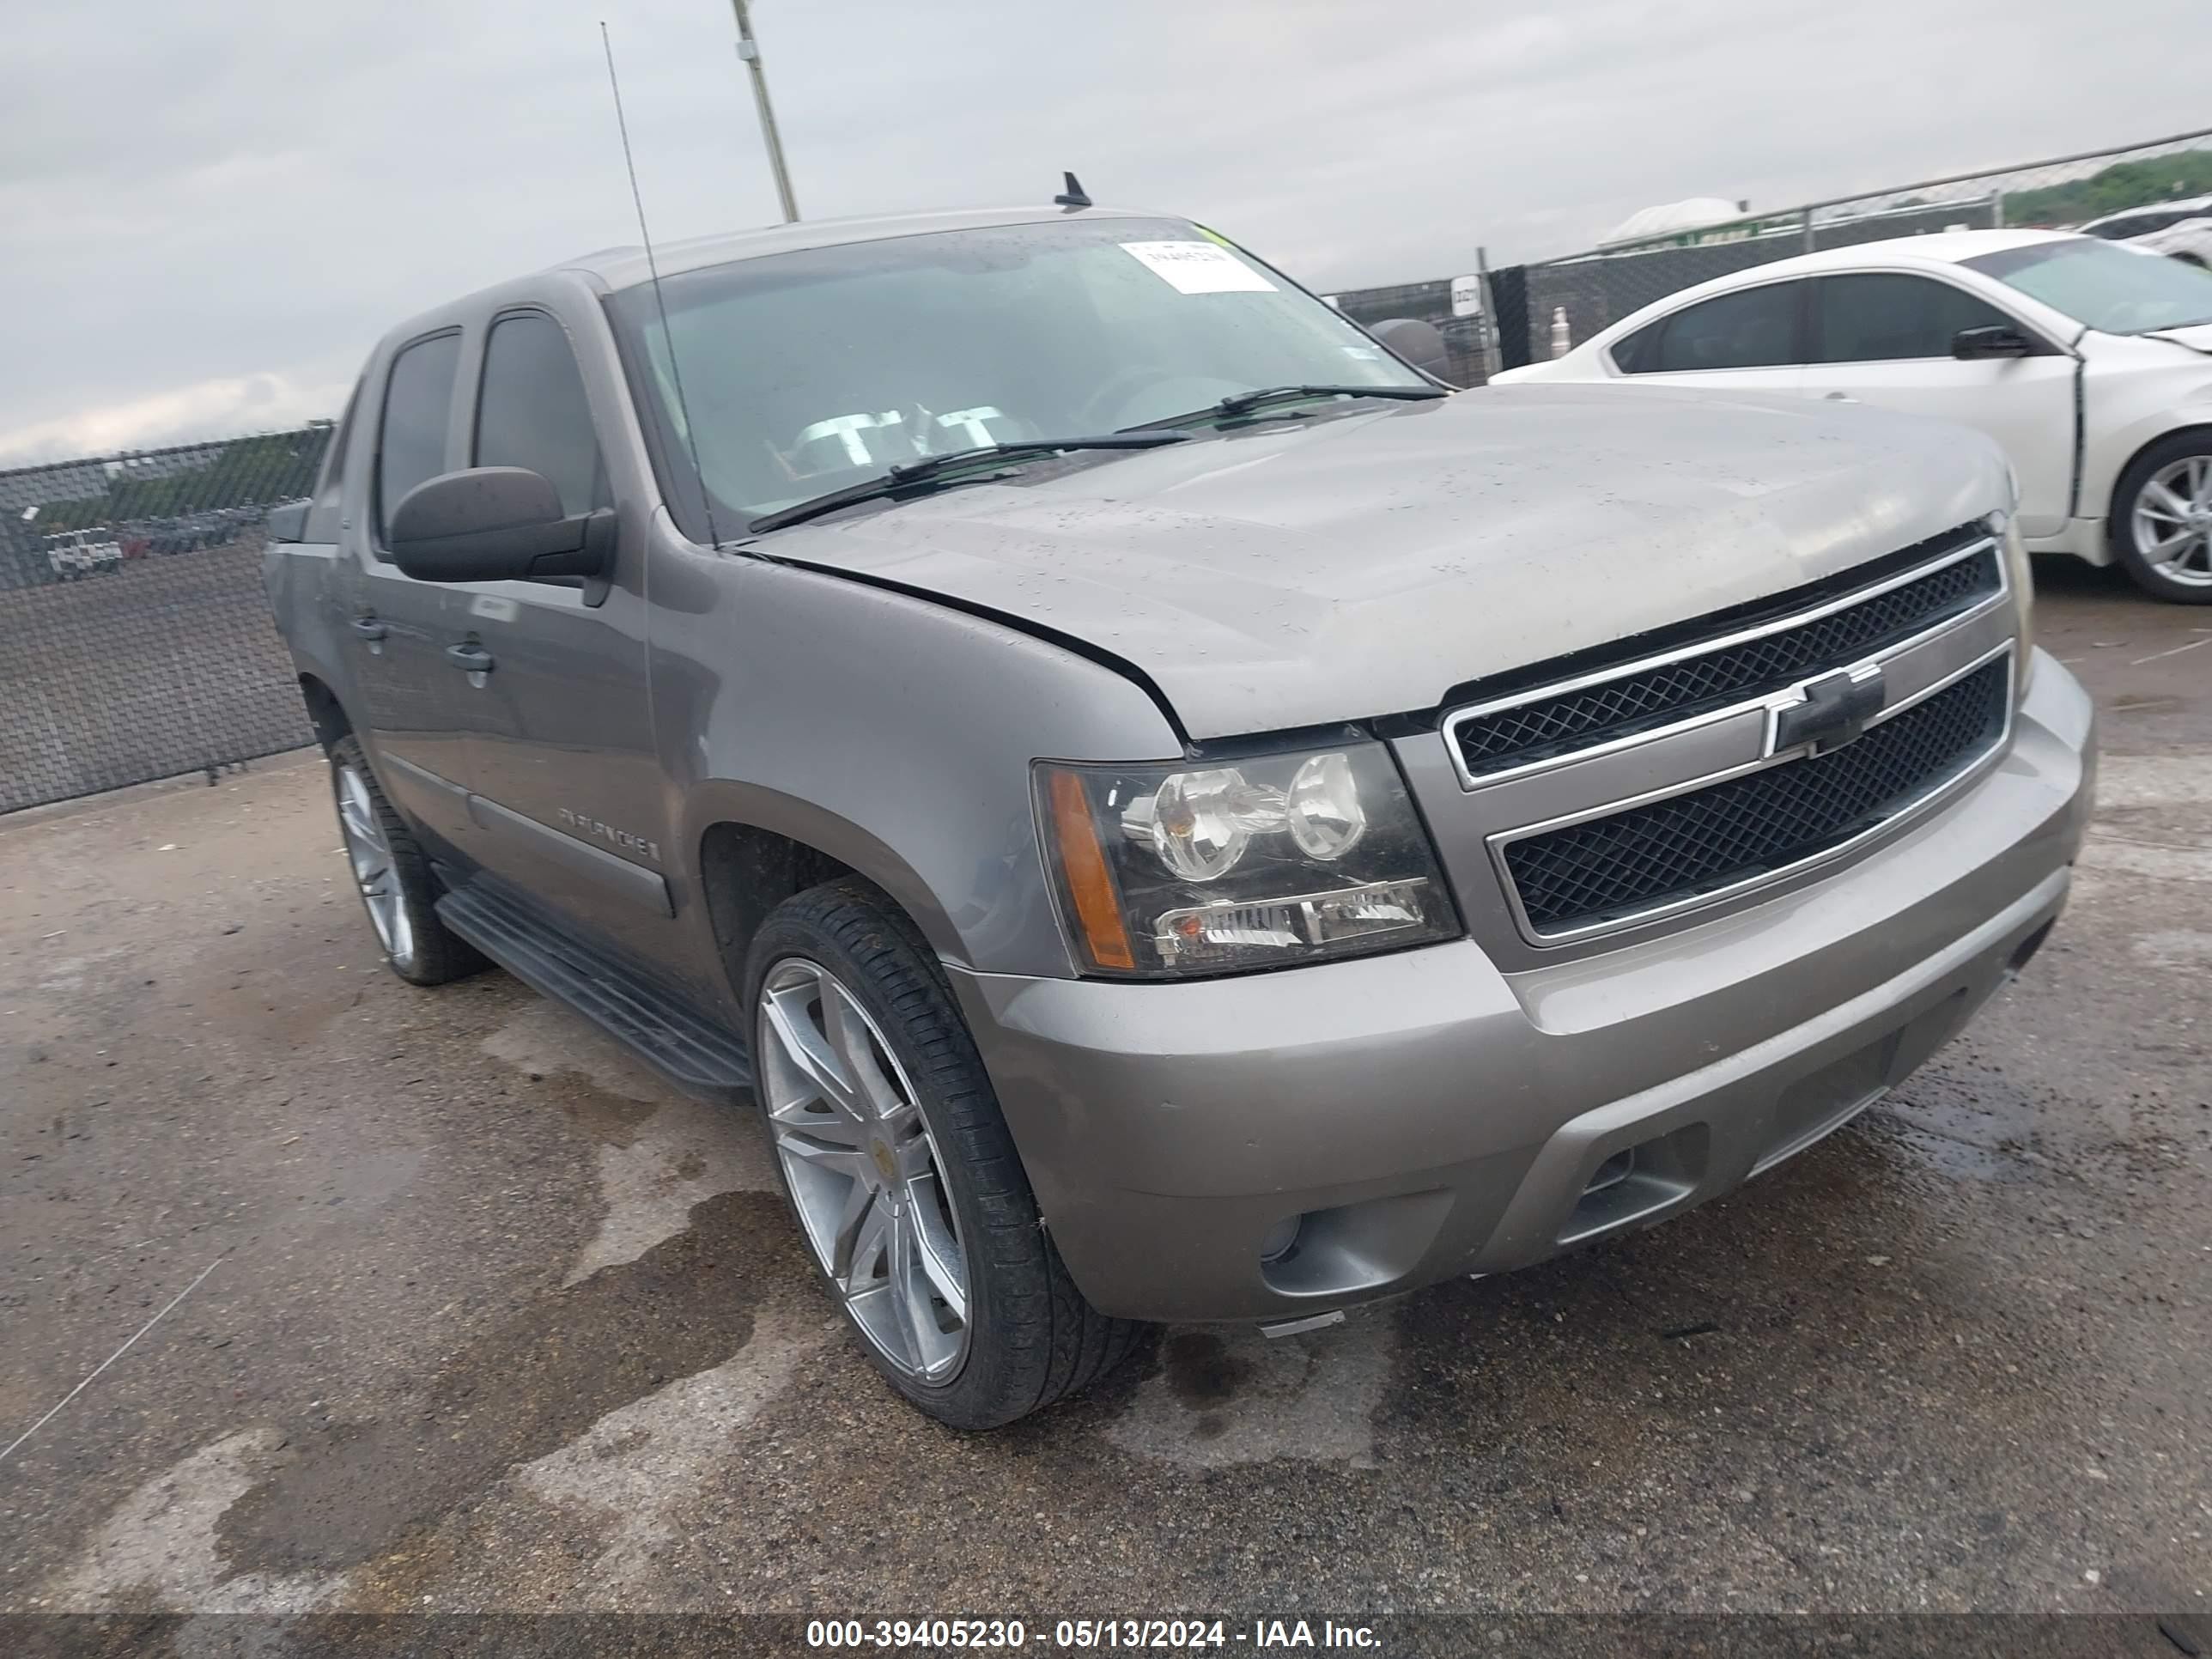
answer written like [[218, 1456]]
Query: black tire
[[2120, 528], [432, 954], [1031, 1337]]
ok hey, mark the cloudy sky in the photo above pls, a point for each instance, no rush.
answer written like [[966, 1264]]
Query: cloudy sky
[[208, 211]]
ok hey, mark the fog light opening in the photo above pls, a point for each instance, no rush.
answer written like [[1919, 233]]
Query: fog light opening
[[2028, 947], [1282, 1239], [1610, 1173]]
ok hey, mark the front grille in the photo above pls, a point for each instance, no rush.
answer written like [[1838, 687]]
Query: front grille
[[1555, 724], [1649, 858]]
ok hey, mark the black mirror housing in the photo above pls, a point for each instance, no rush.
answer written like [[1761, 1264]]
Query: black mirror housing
[[489, 524], [1971, 344], [287, 520]]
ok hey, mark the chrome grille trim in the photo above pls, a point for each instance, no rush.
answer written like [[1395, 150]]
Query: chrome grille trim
[[1945, 789], [1469, 779]]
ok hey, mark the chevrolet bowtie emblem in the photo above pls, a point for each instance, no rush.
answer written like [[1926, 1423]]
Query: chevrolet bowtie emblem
[[1826, 713]]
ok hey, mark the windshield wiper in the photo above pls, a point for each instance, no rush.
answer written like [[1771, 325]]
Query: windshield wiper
[[1244, 402], [945, 469]]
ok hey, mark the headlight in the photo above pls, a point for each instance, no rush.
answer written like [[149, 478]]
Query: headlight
[[1272, 859]]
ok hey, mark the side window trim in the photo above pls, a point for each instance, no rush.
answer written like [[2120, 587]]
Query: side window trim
[[480, 360], [1800, 325], [2042, 345], [483, 361], [376, 526]]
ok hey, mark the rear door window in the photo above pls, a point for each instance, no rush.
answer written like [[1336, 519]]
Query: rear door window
[[1754, 328], [1880, 317], [418, 413], [531, 410]]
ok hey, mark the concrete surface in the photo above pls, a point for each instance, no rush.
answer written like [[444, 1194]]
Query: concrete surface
[[482, 1316]]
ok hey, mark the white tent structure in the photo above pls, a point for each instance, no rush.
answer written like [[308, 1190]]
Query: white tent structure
[[1672, 219]]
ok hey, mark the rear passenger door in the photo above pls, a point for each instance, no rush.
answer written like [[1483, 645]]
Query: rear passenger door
[[571, 801], [1750, 340], [1885, 337], [413, 699]]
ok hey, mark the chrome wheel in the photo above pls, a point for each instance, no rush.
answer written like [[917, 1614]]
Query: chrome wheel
[[2173, 521], [864, 1173], [370, 851]]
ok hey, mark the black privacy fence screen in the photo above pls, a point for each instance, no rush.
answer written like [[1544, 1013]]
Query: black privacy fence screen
[[1502, 318]]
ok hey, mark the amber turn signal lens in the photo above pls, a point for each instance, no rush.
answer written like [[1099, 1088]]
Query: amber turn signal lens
[[1083, 863]]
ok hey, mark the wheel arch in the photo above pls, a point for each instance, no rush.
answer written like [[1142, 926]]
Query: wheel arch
[[2180, 428], [752, 849], [325, 711]]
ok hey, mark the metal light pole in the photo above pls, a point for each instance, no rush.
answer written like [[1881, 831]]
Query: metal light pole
[[748, 48]]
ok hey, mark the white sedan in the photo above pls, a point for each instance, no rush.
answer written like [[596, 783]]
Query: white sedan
[[2090, 362], [2182, 229]]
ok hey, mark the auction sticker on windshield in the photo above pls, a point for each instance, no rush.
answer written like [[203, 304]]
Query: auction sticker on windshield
[[1198, 268]]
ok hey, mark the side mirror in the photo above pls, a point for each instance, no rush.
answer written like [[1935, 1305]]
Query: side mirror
[[492, 524], [287, 520], [1973, 345]]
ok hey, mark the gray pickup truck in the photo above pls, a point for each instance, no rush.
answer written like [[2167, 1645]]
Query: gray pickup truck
[[1170, 813]]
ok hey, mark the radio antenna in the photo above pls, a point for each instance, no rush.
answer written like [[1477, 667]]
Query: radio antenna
[[652, 269]]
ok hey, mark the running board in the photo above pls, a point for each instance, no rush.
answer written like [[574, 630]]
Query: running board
[[663, 1030]]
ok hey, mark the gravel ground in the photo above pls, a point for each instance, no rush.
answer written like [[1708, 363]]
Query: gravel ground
[[478, 1315]]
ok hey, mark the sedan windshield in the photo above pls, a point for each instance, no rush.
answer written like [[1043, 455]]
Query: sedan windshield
[[805, 372], [2118, 289]]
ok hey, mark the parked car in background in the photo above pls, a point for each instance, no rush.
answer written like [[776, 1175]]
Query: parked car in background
[[1162, 811], [2090, 363], [76, 553], [2181, 230]]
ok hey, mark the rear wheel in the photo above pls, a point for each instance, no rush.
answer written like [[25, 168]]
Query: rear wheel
[[2161, 524], [393, 875], [900, 1169]]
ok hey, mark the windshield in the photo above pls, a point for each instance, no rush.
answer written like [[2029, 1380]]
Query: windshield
[[2120, 291], [806, 372]]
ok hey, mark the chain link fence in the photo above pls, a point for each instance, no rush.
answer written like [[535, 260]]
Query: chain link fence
[[136, 641], [1542, 310]]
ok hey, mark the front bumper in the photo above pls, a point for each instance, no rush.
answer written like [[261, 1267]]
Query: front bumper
[[1427, 1115]]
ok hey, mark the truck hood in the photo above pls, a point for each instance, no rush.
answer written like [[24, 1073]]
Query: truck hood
[[1290, 574]]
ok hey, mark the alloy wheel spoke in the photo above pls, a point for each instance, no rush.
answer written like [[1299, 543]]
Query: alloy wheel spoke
[[804, 1144], [809, 1054], [861, 1238], [943, 1275], [2158, 498], [909, 1298], [915, 1158], [800, 1119], [846, 1029]]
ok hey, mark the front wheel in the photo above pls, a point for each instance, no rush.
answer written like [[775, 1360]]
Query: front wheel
[[393, 875], [900, 1169], [2161, 524]]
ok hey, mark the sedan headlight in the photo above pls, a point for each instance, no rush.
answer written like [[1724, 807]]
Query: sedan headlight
[[1257, 862]]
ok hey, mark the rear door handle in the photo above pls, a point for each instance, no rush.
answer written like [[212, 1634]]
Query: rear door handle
[[368, 628], [473, 658]]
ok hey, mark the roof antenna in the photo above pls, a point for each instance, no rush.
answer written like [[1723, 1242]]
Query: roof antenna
[[653, 267], [1074, 195]]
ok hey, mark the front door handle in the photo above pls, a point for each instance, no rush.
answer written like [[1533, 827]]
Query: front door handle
[[472, 657], [368, 628]]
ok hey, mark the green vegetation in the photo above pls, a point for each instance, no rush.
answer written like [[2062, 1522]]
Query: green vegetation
[[2122, 185], [274, 466]]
